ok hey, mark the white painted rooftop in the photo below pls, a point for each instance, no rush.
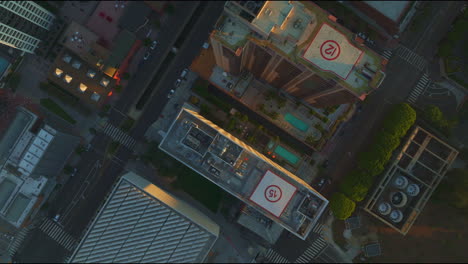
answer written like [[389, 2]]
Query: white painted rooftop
[[331, 51]]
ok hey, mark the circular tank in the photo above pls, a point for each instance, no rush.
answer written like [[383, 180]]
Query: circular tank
[[396, 216], [401, 182], [384, 208], [412, 189], [398, 199]]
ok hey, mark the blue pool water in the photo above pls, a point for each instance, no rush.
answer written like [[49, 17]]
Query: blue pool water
[[290, 157], [3, 66], [295, 122]]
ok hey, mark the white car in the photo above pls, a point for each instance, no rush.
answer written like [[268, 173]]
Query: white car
[[206, 45], [154, 44], [177, 83], [147, 54], [56, 217], [171, 93], [184, 73]]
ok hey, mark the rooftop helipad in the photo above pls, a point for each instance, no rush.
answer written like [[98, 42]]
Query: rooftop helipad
[[331, 51], [273, 193]]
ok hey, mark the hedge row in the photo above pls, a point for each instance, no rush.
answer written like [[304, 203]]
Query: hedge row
[[372, 162]]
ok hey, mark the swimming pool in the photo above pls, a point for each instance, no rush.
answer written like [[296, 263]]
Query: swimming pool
[[3, 66], [295, 122], [290, 157]]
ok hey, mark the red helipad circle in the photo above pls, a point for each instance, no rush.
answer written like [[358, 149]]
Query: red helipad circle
[[273, 193], [330, 50]]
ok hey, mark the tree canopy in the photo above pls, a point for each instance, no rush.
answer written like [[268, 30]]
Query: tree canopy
[[341, 206]]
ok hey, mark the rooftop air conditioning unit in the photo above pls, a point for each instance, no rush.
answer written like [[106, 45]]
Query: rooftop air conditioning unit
[[384, 208], [400, 182], [412, 189], [396, 216]]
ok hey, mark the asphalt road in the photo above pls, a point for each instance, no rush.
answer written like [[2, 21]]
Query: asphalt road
[[400, 80], [101, 182]]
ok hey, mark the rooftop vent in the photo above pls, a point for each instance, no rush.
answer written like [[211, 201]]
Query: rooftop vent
[[399, 199], [412, 189], [384, 208], [401, 182], [396, 216]]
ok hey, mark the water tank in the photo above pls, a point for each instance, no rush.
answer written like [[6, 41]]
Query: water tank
[[398, 199], [384, 208], [400, 182], [412, 189], [396, 216]]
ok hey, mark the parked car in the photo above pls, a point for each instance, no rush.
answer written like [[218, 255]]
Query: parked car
[[147, 54], [88, 147], [73, 172], [177, 83], [171, 93], [184, 73], [153, 44], [56, 217]]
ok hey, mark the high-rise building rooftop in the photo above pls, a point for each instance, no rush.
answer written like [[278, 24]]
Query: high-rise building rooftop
[[293, 41], [244, 172]]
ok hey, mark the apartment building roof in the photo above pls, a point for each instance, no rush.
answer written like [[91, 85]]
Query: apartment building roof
[[290, 27], [244, 172]]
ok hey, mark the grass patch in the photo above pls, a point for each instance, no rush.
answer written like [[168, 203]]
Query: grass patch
[[65, 97], [201, 189], [113, 146], [127, 124], [201, 88], [52, 106]]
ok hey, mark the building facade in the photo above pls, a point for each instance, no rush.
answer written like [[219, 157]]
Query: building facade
[[272, 40], [23, 24]]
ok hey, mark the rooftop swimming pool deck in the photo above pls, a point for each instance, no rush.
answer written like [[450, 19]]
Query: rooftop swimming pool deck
[[295, 122], [287, 155]]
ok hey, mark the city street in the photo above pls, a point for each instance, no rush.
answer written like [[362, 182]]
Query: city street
[[400, 81], [97, 186]]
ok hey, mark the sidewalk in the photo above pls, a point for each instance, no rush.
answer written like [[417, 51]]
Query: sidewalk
[[347, 256]]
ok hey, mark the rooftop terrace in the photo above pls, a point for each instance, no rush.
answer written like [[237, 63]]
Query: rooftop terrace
[[406, 187], [290, 27], [244, 172]]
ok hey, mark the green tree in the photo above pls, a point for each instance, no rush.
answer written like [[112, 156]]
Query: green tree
[[341, 206], [434, 116], [368, 162], [356, 185], [244, 118], [400, 118], [386, 141]]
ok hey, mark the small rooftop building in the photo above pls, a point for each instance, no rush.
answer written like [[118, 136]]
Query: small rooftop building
[[31, 153], [141, 223], [410, 181], [244, 172]]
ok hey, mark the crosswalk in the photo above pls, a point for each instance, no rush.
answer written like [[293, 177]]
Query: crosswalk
[[54, 231], [318, 228], [411, 57], [312, 251], [422, 84], [18, 240], [118, 135], [273, 257], [387, 54]]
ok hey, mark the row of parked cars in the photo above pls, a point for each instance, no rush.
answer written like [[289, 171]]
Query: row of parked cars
[[177, 82]]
